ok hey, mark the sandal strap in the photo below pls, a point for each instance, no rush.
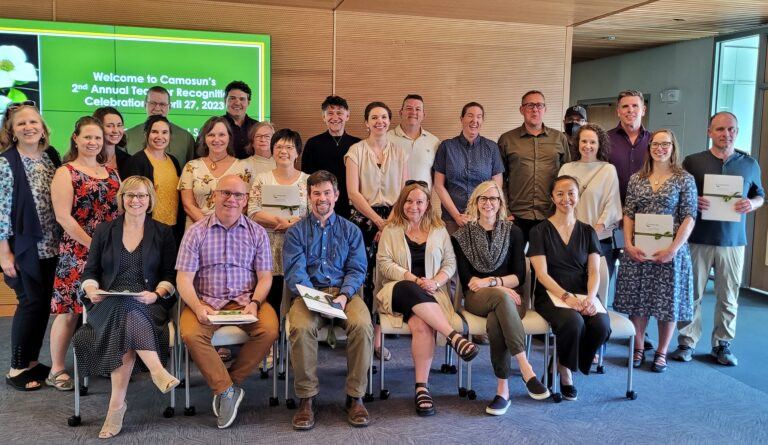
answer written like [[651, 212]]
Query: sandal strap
[[462, 346]]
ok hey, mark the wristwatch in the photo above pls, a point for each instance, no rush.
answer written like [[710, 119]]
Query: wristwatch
[[494, 282]]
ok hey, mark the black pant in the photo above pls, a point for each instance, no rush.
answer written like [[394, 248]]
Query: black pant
[[31, 318], [578, 336], [275, 294], [526, 225]]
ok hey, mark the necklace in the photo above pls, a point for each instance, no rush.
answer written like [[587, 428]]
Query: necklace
[[213, 163], [337, 141]]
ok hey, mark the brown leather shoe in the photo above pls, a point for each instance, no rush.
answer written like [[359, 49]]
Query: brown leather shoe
[[357, 415], [304, 419]]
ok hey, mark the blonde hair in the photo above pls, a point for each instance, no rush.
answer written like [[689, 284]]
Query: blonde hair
[[429, 221], [474, 212], [674, 157], [6, 133], [131, 183]]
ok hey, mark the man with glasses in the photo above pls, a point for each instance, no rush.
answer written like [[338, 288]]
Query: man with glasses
[[182, 144], [719, 244], [420, 144], [326, 150], [238, 97], [225, 263], [326, 252], [532, 154]]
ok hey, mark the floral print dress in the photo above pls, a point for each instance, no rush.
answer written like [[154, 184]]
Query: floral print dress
[[197, 177], [95, 201]]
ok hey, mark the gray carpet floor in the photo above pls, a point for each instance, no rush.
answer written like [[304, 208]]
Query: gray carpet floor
[[696, 402]]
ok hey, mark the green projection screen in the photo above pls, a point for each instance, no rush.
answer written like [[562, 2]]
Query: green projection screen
[[72, 69]]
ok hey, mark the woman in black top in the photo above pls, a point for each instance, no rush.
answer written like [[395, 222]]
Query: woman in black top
[[137, 254], [565, 254], [491, 264]]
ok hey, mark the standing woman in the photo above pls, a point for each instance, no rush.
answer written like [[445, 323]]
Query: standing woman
[[599, 199], [259, 149], [29, 237], [663, 286], [376, 172], [201, 176], [416, 262], [114, 137], [137, 254], [163, 169], [565, 254], [286, 148], [491, 263], [84, 194]]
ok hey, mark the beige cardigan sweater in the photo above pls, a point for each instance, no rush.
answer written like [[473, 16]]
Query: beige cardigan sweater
[[394, 260]]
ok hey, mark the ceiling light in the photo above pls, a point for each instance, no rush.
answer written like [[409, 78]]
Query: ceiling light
[[609, 38]]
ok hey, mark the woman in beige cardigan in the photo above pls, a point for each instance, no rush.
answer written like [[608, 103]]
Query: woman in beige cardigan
[[415, 262]]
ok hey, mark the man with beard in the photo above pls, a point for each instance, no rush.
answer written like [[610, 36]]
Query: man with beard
[[324, 251]]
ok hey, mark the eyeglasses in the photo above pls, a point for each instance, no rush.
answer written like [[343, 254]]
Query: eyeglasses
[[665, 144], [139, 196], [16, 105], [492, 199], [263, 137], [226, 194], [534, 105], [413, 181], [154, 104], [284, 147]]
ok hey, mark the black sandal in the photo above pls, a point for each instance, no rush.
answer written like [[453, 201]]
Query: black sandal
[[638, 358], [465, 348], [20, 382], [659, 362], [425, 406]]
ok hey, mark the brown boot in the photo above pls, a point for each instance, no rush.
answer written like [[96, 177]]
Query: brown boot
[[357, 415], [304, 419]]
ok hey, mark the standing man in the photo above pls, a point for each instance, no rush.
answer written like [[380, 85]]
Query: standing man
[[326, 150], [158, 102], [532, 154], [326, 252], [575, 118], [238, 97], [629, 140], [462, 163], [225, 263], [419, 144], [719, 244]]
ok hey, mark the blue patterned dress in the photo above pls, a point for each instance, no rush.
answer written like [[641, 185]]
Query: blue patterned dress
[[665, 290]]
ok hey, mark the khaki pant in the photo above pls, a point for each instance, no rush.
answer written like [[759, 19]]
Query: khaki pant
[[503, 324], [728, 263], [198, 337], [302, 335]]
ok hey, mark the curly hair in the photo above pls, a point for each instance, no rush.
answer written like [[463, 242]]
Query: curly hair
[[603, 142]]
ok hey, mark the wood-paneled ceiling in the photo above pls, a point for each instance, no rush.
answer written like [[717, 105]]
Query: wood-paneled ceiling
[[602, 28]]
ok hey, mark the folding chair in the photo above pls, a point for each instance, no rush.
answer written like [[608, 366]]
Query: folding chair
[[533, 324], [621, 327], [169, 411]]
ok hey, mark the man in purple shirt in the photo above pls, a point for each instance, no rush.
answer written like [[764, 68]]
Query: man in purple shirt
[[225, 263]]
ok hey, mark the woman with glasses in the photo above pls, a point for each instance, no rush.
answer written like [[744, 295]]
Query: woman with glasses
[[658, 284], [135, 254], [415, 261], [201, 176], [286, 148], [599, 199], [259, 149], [163, 169], [84, 194], [376, 171], [29, 236], [114, 137], [491, 263], [565, 254]]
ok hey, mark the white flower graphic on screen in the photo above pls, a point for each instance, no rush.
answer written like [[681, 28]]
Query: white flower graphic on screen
[[14, 66]]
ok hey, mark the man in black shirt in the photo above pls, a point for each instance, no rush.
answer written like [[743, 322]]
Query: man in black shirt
[[326, 150], [238, 97]]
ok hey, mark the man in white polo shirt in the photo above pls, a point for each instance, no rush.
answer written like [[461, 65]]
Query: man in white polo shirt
[[420, 144]]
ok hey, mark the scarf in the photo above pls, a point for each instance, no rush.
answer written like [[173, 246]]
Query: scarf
[[473, 240]]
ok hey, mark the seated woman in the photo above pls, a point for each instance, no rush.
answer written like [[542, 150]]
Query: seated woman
[[491, 263], [565, 254], [415, 261], [137, 254]]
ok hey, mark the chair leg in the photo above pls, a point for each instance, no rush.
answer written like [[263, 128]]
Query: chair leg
[[273, 401], [171, 409], [384, 393], [471, 395], [188, 410], [290, 403], [546, 382], [368, 397], [600, 355], [75, 419], [631, 394], [556, 396]]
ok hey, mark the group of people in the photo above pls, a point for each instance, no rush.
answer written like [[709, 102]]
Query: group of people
[[397, 222]]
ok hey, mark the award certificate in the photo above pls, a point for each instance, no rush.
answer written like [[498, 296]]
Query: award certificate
[[722, 191], [280, 200], [653, 232]]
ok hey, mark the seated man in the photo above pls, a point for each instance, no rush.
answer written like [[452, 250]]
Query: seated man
[[225, 263], [326, 252]]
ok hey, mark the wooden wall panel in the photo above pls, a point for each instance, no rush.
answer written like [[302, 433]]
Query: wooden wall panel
[[27, 9], [449, 62]]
